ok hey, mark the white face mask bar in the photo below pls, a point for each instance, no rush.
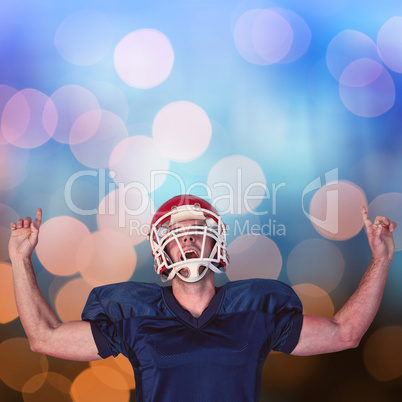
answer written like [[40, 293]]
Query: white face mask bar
[[197, 267]]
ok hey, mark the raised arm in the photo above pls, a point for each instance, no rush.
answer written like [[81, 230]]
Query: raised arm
[[46, 334], [346, 328]]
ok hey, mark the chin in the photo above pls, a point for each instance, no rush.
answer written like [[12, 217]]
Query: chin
[[185, 272]]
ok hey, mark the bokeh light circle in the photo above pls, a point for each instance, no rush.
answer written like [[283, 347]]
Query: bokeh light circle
[[60, 239], [71, 298], [94, 135], [110, 97], [127, 210], [6, 93], [182, 131], [84, 38], [346, 47], [383, 353], [100, 383], [316, 261], [13, 166], [4, 237], [389, 205], [119, 363], [136, 162], [262, 36], [47, 387], [366, 88], [389, 43], [243, 38], [144, 58], [315, 301], [237, 185], [8, 310], [301, 34], [105, 257], [19, 363], [272, 36], [360, 73], [253, 256], [7, 215], [335, 210], [71, 101], [29, 119]]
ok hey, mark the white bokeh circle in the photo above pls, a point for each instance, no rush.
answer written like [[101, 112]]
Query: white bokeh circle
[[182, 131], [94, 135], [71, 101], [346, 47], [106, 256], [272, 36], [84, 38], [335, 210], [237, 184], [366, 88], [389, 43], [301, 34], [128, 211], [253, 256], [29, 119], [316, 261], [60, 239], [262, 36], [144, 58], [6, 93], [136, 162]]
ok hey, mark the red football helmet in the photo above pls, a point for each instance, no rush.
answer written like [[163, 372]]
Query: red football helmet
[[177, 209]]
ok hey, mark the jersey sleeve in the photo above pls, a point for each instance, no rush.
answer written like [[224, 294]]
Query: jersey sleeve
[[288, 320], [104, 331]]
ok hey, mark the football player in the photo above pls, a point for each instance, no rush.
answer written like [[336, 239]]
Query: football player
[[192, 340]]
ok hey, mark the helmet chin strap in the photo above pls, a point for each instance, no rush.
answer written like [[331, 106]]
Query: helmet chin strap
[[193, 268]]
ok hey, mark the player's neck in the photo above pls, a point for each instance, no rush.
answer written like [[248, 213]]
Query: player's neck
[[194, 297]]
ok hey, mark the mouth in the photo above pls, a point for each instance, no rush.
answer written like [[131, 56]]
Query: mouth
[[190, 254]]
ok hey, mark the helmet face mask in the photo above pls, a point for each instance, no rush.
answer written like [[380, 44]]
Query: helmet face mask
[[167, 232]]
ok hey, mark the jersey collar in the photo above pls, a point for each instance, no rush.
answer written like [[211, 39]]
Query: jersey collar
[[185, 316]]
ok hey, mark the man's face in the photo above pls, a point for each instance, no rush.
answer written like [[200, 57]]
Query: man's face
[[191, 243]]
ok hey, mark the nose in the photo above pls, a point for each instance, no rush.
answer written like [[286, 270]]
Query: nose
[[187, 238]]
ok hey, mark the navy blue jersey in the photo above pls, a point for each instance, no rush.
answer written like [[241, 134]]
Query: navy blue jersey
[[216, 357]]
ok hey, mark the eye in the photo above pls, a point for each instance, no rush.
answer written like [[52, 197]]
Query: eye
[[211, 223], [162, 231]]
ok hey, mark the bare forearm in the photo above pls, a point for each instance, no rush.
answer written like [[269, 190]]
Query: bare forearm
[[36, 315], [359, 311], [46, 334], [346, 328], [349, 324]]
